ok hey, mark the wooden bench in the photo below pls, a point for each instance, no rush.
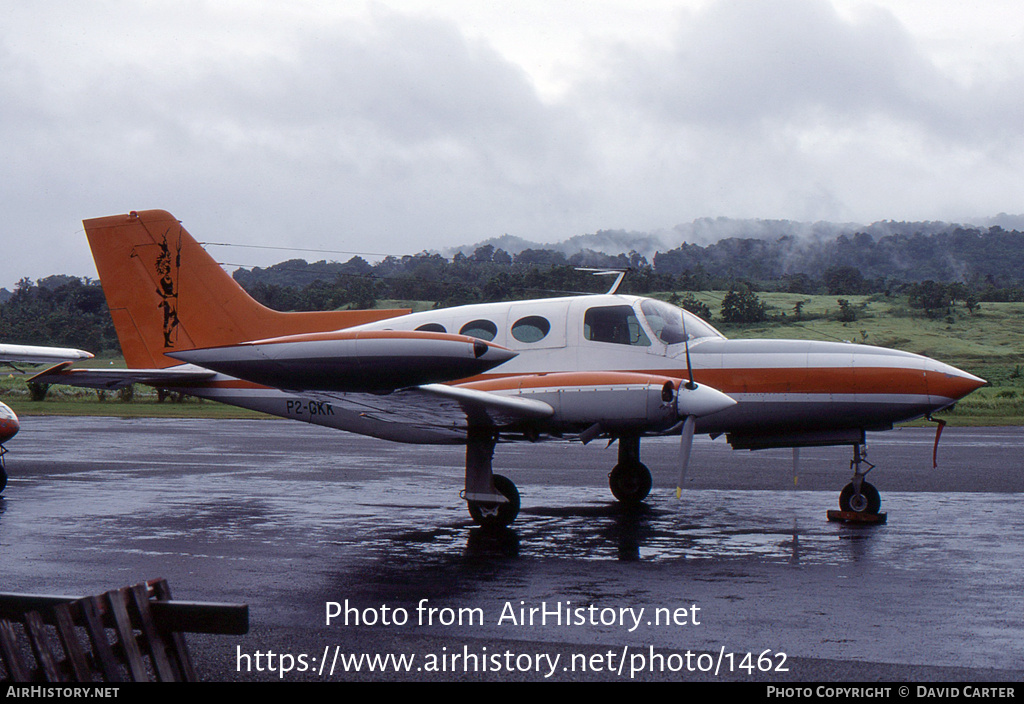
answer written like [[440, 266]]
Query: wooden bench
[[130, 634]]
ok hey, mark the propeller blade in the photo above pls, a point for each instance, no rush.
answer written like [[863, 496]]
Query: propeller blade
[[685, 445], [689, 367]]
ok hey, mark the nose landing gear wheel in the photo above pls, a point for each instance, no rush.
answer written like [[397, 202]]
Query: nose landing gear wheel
[[867, 501], [497, 515]]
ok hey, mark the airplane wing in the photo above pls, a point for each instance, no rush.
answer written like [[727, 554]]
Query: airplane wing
[[432, 412], [485, 408], [595, 402], [31, 354], [111, 379]]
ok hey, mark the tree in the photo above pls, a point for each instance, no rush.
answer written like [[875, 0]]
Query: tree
[[843, 280], [847, 313], [929, 295], [484, 253], [741, 305], [691, 303], [798, 308]]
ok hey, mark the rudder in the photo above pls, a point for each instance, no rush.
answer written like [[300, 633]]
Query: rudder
[[166, 293]]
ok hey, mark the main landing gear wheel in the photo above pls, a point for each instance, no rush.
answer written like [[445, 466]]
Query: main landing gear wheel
[[630, 483], [867, 501], [497, 515]]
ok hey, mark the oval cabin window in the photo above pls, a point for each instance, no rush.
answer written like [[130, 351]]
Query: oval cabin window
[[532, 328], [481, 329], [431, 327]]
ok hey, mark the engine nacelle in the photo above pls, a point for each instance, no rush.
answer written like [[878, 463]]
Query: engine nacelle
[[612, 399]]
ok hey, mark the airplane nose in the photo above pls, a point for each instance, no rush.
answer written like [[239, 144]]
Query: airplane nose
[[702, 400], [947, 383]]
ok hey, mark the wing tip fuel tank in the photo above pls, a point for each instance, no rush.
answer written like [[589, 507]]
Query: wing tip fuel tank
[[353, 361]]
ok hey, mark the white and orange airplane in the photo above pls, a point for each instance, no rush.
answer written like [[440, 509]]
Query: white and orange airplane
[[580, 367], [27, 354]]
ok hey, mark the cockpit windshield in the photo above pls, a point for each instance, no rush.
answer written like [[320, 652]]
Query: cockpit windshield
[[673, 325]]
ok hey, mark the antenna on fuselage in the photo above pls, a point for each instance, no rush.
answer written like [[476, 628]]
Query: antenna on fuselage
[[620, 273]]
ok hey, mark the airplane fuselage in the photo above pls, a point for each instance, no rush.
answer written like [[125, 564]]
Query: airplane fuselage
[[578, 367], [788, 392]]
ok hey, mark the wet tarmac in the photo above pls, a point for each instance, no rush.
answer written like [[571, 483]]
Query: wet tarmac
[[290, 518]]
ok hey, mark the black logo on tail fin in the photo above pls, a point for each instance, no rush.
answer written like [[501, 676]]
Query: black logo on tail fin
[[167, 274]]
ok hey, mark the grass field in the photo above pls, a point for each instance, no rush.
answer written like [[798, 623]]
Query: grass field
[[989, 343]]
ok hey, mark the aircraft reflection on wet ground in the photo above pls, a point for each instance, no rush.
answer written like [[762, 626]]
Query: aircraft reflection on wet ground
[[286, 517], [232, 481]]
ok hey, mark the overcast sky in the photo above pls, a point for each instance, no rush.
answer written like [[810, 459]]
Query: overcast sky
[[402, 125]]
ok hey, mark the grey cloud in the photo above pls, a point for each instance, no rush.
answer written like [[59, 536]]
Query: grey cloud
[[403, 132], [748, 63], [406, 131]]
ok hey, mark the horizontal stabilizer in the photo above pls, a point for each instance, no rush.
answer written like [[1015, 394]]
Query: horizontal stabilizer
[[352, 360], [111, 379]]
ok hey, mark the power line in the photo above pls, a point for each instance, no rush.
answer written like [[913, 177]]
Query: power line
[[297, 249]]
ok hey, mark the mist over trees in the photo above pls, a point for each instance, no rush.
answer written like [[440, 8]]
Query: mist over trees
[[933, 266], [973, 264], [980, 258]]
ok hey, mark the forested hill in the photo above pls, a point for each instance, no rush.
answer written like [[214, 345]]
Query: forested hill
[[971, 256], [931, 268], [906, 253]]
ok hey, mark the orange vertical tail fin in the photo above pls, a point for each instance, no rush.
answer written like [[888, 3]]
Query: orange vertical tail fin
[[167, 294]]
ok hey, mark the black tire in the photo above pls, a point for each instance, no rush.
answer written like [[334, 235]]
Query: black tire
[[630, 483], [3, 479], [869, 500], [484, 513]]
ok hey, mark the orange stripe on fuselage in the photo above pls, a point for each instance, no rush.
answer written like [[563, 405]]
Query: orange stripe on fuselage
[[839, 380], [819, 380], [341, 335], [816, 380], [557, 380], [791, 380]]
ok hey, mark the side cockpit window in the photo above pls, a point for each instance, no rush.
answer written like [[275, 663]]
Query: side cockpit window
[[616, 324], [673, 325]]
